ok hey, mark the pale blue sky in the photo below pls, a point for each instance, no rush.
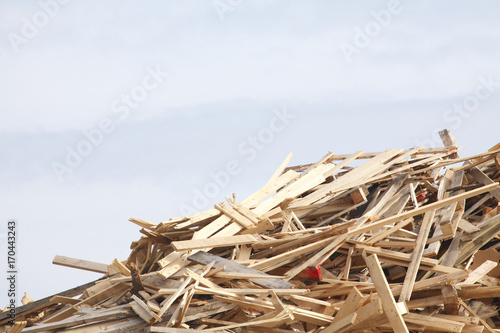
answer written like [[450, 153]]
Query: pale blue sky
[[69, 67]]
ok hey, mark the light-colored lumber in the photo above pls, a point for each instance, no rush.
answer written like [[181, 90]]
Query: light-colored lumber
[[213, 242], [384, 291], [80, 264], [416, 257]]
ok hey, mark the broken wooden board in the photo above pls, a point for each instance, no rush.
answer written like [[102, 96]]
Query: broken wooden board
[[231, 266]]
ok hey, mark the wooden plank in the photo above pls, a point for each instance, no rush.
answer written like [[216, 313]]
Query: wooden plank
[[169, 301], [383, 234], [352, 303], [157, 329], [65, 300], [213, 242], [384, 292], [416, 257], [231, 266], [143, 311], [241, 275], [468, 309], [282, 168], [481, 177], [479, 272], [80, 264], [249, 291], [369, 316], [404, 259]]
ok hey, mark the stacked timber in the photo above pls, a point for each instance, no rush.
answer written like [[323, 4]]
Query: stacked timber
[[394, 241]]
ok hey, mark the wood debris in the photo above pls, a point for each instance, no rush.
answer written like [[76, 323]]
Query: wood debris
[[395, 241]]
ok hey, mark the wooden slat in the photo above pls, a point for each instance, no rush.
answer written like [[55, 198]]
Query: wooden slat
[[231, 266], [213, 242], [80, 264], [384, 291], [416, 257]]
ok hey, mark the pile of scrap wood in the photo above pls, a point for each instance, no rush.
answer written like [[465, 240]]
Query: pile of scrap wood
[[394, 241]]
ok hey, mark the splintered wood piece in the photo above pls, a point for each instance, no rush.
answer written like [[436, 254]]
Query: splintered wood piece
[[245, 211], [319, 257], [481, 177], [340, 324], [383, 290], [137, 285], [38, 305], [99, 297], [299, 313], [281, 169], [174, 296], [248, 291], [404, 259], [121, 267], [244, 253], [144, 223], [481, 271], [233, 214], [416, 257], [158, 329], [393, 188], [468, 309], [490, 254], [65, 300], [231, 266], [429, 323], [448, 139], [213, 242], [143, 311], [480, 239], [383, 234], [80, 264], [351, 304], [433, 282]]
